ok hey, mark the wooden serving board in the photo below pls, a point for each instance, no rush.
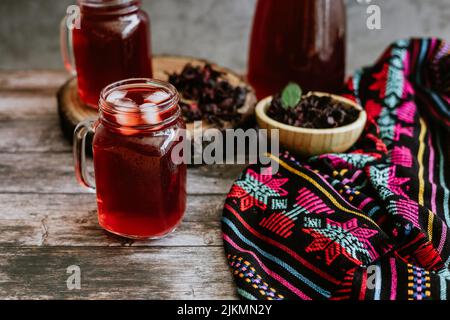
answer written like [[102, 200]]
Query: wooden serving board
[[72, 110]]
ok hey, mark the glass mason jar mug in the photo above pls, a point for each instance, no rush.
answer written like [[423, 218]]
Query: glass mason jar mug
[[141, 190], [109, 42]]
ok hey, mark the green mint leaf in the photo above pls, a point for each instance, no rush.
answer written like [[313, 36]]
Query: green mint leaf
[[291, 95]]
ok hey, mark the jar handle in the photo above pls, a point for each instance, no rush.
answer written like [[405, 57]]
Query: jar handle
[[68, 23], [79, 153]]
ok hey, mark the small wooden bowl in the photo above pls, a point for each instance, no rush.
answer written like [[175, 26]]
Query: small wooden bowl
[[311, 142]]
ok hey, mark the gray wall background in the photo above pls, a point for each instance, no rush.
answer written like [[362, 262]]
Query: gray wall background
[[214, 29]]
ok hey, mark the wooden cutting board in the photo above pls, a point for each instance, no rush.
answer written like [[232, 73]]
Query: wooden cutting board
[[72, 110]]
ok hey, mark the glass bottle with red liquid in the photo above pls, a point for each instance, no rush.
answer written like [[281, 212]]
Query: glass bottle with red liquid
[[300, 41], [111, 42], [140, 184]]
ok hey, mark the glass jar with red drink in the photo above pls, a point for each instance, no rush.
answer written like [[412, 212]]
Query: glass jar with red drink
[[110, 42], [299, 41], [140, 184]]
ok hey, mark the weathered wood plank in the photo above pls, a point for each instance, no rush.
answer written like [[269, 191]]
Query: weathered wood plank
[[39, 135], [28, 105], [116, 273], [54, 173], [201, 208], [32, 80], [71, 220]]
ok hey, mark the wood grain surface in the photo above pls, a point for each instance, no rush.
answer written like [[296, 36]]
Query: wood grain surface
[[48, 222]]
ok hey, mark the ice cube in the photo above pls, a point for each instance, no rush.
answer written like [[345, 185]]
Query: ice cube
[[126, 103], [126, 116], [150, 113], [148, 106], [125, 120], [117, 94], [157, 97]]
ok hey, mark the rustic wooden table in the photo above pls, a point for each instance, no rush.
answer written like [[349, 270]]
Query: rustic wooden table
[[48, 222]]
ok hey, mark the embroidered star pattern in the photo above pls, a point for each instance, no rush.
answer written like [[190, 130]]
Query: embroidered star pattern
[[356, 160], [255, 189], [386, 178], [346, 239]]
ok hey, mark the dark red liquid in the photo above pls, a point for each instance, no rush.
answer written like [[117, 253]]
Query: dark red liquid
[[297, 40], [109, 48], [141, 193]]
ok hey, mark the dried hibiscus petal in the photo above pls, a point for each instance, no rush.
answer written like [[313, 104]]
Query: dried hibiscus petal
[[313, 111], [214, 98]]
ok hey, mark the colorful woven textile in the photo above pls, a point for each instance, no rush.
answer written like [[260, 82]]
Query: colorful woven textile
[[372, 223]]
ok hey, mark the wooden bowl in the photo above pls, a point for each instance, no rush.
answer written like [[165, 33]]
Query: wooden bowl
[[311, 142]]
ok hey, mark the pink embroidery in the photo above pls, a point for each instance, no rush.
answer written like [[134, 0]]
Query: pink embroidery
[[407, 89], [395, 183], [406, 66], [446, 98], [311, 202], [407, 111], [400, 130], [336, 162], [401, 156]]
